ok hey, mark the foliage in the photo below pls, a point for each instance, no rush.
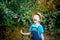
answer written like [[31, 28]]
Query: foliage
[[17, 13]]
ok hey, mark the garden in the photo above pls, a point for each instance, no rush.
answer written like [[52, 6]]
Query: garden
[[16, 15]]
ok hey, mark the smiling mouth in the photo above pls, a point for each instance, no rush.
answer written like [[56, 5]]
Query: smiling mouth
[[35, 20]]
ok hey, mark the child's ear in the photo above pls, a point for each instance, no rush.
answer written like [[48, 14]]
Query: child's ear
[[39, 20]]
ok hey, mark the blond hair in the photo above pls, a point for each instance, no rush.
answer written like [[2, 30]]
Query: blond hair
[[39, 14]]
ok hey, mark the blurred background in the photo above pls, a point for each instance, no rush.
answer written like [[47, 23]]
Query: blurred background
[[16, 15]]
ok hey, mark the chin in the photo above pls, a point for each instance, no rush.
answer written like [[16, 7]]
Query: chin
[[35, 22]]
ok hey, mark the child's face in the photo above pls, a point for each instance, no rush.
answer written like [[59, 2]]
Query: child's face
[[36, 19]]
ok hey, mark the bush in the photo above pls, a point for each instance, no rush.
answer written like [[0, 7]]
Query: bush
[[17, 13]]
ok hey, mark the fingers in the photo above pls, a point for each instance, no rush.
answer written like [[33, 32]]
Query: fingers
[[21, 31]]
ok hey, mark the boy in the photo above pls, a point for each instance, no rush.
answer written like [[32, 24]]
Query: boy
[[36, 28]]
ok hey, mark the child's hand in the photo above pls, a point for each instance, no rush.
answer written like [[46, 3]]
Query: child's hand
[[21, 32], [24, 33]]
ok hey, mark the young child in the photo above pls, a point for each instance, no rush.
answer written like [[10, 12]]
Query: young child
[[36, 29]]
